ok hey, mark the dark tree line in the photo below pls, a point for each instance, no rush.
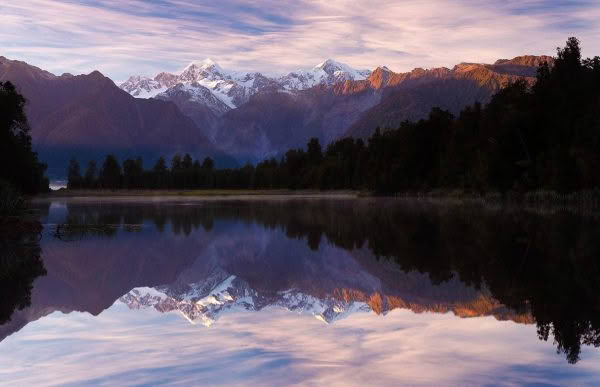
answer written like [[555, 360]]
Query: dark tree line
[[20, 166], [183, 173], [542, 137]]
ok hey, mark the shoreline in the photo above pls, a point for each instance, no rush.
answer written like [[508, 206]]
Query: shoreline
[[540, 201], [213, 194], [193, 192]]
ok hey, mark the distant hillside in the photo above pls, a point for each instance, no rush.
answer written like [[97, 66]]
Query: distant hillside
[[87, 116], [411, 96], [270, 123]]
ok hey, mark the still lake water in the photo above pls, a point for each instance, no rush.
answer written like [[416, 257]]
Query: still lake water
[[301, 291]]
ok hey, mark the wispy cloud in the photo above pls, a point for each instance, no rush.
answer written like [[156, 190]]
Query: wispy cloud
[[275, 347], [125, 37]]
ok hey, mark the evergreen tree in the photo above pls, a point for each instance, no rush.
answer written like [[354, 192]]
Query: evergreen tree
[[160, 172], [90, 175], [110, 175], [21, 166], [208, 164], [74, 175], [132, 173]]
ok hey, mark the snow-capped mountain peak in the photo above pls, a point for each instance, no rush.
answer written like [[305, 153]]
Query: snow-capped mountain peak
[[234, 88], [143, 87], [205, 69], [204, 302], [327, 73], [341, 70]]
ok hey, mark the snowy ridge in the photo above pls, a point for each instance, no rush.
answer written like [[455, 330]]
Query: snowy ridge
[[143, 87], [326, 73], [206, 301], [196, 93], [235, 88]]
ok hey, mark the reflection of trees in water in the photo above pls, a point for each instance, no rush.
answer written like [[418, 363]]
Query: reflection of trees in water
[[543, 263], [20, 265]]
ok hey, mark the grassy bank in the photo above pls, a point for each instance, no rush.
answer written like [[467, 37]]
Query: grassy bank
[[195, 193], [546, 197]]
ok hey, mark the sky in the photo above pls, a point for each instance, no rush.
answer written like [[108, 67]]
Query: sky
[[125, 37], [274, 347]]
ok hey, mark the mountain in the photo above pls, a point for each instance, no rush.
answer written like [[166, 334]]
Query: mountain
[[327, 73], [271, 123], [412, 95], [207, 110], [235, 88], [88, 116], [142, 87], [252, 115]]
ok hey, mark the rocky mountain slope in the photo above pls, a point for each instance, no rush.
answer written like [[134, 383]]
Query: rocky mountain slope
[[412, 95], [87, 116], [235, 88], [208, 111], [267, 126]]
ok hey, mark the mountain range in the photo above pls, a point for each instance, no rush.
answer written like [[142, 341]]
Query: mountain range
[[256, 117], [237, 117]]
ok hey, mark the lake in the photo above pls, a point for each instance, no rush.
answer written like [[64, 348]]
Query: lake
[[310, 291]]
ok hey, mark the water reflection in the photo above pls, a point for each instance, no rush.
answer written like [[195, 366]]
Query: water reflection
[[323, 258], [20, 265]]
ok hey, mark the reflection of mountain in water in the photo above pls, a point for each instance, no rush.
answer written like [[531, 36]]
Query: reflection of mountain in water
[[234, 294], [327, 258], [206, 301]]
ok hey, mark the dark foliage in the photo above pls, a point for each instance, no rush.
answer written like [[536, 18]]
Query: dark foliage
[[20, 164]]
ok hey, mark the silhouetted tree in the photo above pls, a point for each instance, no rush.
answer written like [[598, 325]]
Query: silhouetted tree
[[208, 164], [132, 173], [20, 164], [91, 177], [74, 179], [161, 174], [110, 175]]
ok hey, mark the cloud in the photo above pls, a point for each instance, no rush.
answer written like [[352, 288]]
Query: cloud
[[274, 347], [121, 38]]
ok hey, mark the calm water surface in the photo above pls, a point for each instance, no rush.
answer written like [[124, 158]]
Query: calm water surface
[[300, 291]]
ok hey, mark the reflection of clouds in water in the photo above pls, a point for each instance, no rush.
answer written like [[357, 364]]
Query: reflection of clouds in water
[[275, 346]]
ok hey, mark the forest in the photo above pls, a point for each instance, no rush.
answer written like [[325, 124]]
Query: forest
[[527, 138]]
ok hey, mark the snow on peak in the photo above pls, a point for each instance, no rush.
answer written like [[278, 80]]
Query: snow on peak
[[206, 69], [220, 293], [328, 72], [206, 64], [142, 87], [235, 88], [333, 67]]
